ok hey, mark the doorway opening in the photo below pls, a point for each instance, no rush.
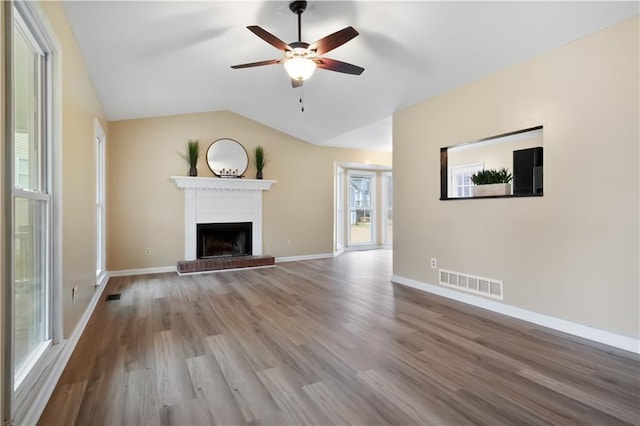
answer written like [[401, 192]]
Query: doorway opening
[[363, 207]]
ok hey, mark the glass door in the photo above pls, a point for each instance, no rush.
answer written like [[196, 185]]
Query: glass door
[[361, 207]]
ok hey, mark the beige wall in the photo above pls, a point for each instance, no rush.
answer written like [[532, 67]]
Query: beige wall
[[572, 254], [80, 106], [146, 209]]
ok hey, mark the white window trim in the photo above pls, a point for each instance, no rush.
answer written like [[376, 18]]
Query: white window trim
[[42, 194], [340, 217], [35, 20], [385, 237], [101, 198]]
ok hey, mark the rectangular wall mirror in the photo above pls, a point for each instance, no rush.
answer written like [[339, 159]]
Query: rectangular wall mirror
[[507, 165]]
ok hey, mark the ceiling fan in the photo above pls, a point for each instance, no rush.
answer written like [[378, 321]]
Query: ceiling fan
[[300, 58]]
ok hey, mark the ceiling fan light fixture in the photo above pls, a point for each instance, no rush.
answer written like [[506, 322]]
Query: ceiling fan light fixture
[[299, 68], [300, 58]]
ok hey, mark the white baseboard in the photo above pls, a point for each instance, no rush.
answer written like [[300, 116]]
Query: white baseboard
[[41, 398], [143, 271], [338, 252], [304, 257], [580, 330], [362, 247], [102, 278]]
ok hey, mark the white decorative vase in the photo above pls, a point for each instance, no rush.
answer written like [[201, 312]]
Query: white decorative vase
[[492, 190]]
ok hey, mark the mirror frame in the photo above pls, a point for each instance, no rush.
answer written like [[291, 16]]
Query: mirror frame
[[444, 168], [240, 159]]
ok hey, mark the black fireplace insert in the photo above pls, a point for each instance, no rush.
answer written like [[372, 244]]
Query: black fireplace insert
[[224, 239]]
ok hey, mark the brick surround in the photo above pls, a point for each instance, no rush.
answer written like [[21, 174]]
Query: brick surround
[[222, 263]]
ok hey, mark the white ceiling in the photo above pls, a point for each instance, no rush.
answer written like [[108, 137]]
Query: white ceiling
[[156, 58]]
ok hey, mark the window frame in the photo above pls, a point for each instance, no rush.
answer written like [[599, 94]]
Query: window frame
[[385, 206], [38, 191], [340, 210], [20, 398], [101, 205]]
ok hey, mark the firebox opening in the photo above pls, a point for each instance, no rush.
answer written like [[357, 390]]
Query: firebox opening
[[224, 239]]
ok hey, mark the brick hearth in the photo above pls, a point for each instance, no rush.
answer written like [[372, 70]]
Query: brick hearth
[[221, 263]]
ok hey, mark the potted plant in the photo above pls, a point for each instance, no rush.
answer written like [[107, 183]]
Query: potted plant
[[260, 160], [491, 182], [193, 153]]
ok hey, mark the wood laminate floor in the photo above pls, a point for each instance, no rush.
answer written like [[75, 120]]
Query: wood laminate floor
[[328, 341]]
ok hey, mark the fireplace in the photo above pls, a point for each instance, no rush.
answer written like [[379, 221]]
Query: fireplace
[[216, 200], [224, 239]]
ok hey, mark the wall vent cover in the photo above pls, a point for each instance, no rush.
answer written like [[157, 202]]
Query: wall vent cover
[[488, 287]]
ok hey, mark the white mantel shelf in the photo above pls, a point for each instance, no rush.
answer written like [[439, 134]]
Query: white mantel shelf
[[221, 200], [230, 184]]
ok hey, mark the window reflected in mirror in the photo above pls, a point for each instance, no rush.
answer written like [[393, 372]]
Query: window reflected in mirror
[[502, 166]]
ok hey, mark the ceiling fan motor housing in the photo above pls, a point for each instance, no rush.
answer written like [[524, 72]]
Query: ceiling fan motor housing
[[299, 45], [298, 7]]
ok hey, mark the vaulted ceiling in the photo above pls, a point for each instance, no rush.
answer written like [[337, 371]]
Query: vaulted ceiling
[[154, 58]]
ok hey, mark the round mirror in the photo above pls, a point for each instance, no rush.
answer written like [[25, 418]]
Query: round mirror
[[227, 158]]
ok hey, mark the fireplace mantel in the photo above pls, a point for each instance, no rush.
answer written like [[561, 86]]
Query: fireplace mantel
[[220, 200], [187, 182]]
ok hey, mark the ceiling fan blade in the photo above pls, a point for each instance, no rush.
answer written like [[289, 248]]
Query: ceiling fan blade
[[330, 42], [296, 83], [269, 38], [257, 64], [338, 66]]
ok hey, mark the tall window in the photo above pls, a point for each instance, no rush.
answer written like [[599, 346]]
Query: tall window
[[31, 196], [361, 207], [100, 204], [339, 208], [387, 205]]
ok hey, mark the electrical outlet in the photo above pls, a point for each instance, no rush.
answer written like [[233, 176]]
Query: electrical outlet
[[74, 293], [434, 263], [147, 251], [289, 242]]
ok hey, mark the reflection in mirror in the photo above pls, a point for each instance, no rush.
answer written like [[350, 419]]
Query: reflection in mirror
[[227, 158], [519, 152]]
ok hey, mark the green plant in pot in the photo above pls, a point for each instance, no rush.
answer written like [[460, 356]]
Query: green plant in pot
[[192, 155], [260, 160], [491, 176], [491, 182]]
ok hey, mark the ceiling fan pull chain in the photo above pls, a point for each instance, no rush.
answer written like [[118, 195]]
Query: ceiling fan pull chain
[[302, 98]]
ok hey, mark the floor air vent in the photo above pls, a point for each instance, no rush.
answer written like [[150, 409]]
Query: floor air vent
[[472, 283]]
